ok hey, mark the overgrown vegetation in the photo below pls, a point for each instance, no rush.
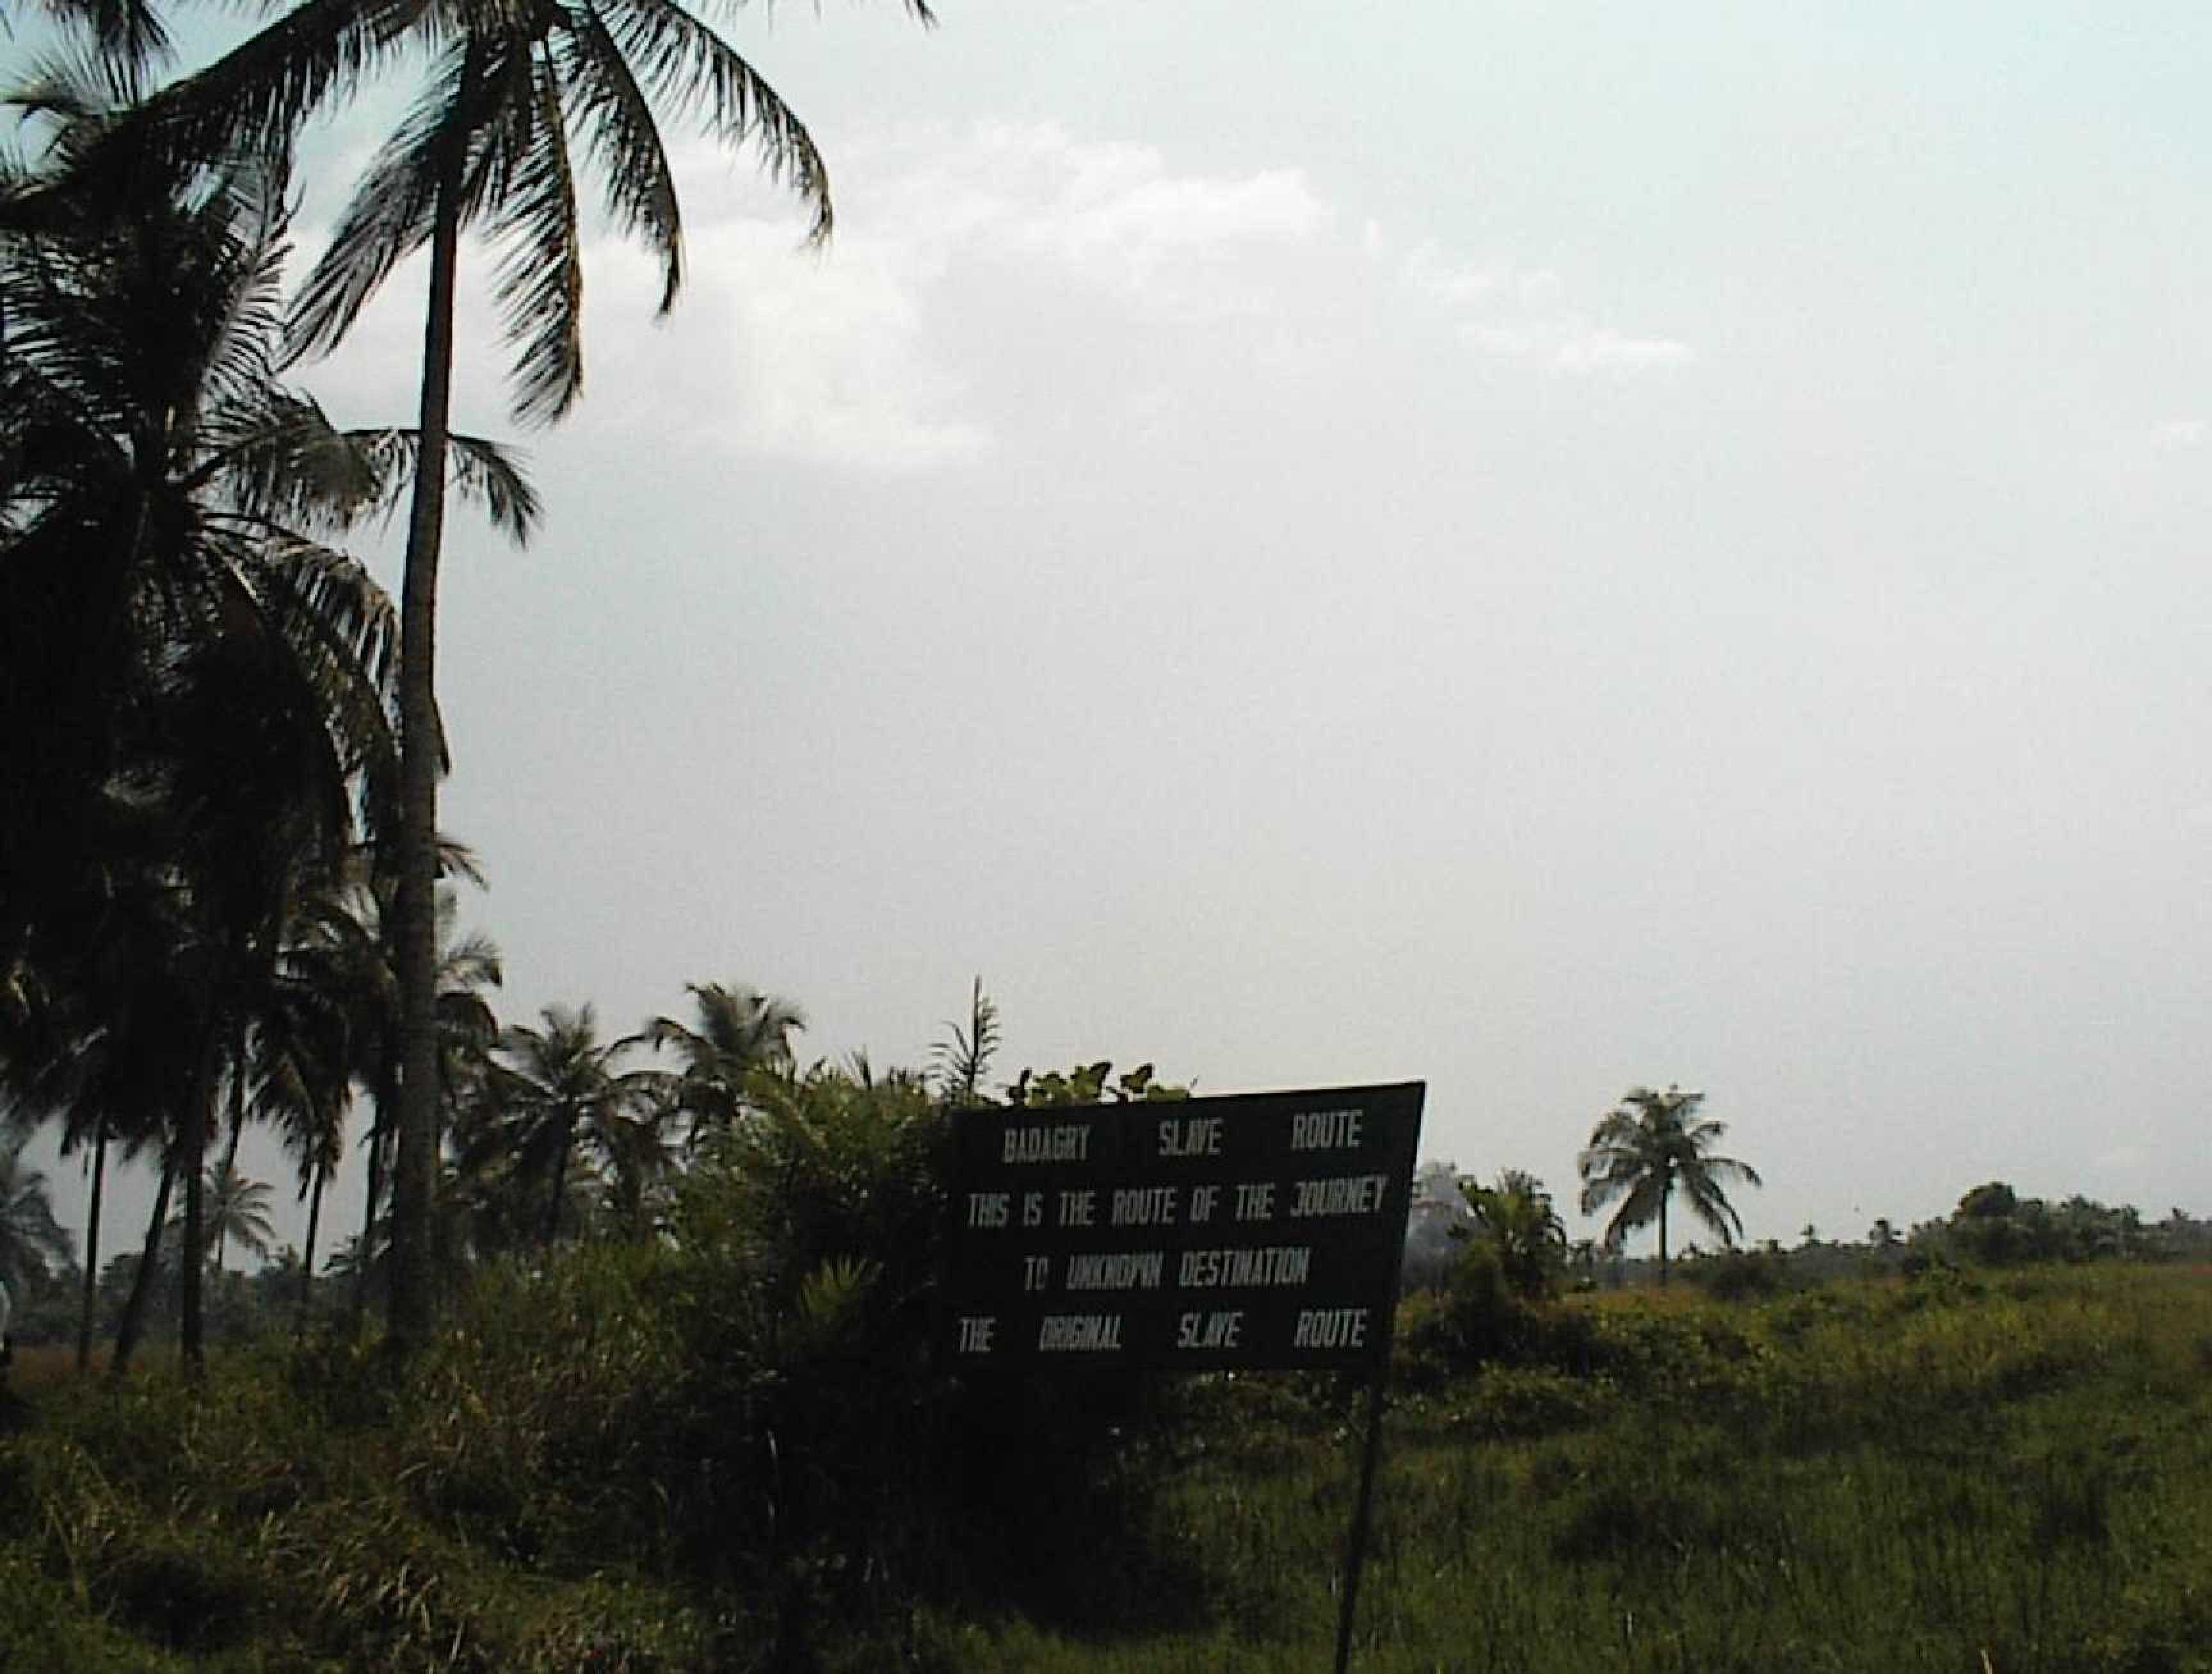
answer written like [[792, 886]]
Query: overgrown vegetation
[[726, 1448]]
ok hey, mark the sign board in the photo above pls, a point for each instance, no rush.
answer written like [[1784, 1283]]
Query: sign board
[[1263, 1231]]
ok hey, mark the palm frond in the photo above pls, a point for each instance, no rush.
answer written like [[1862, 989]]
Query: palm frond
[[541, 270], [1712, 1207], [279, 459], [74, 92], [128, 32], [687, 68], [457, 859], [606, 104], [389, 218], [343, 633], [481, 471], [241, 223], [256, 97]]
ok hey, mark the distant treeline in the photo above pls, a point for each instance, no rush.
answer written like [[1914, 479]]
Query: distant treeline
[[1992, 1226]]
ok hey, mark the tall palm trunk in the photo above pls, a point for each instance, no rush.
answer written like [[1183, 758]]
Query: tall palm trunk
[[128, 1328], [307, 1264], [1666, 1191], [92, 1244], [414, 1173], [560, 1184], [237, 1130], [191, 1323], [380, 1141]]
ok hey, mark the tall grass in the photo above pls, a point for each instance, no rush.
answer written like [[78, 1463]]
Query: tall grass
[[2013, 1477], [632, 1462]]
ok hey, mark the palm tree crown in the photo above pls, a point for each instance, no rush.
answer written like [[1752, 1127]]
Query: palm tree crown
[[237, 1214], [560, 1091], [31, 1240], [1640, 1154], [488, 146], [738, 1031], [1516, 1215]]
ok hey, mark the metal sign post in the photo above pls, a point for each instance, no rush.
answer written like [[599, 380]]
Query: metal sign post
[[1356, 1551]]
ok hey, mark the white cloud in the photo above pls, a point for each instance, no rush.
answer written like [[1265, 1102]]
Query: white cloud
[[842, 356], [1600, 348], [1521, 314], [1101, 212], [2182, 432], [1428, 271], [784, 352]]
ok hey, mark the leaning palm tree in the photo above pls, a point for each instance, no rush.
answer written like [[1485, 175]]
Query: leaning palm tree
[[1642, 1152]]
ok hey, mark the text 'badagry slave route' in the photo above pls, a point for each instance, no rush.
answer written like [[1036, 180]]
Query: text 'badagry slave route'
[[1261, 1230]]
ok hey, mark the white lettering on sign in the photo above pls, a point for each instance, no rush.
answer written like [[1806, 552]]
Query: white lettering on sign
[[1222, 1269], [1139, 1270], [987, 1208], [1057, 1142], [1342, 1194], [1325, 1130], [1193, 1135], [1331, 1328], [1202, 1200], [1076, 1207], [976, 1332], [1210, 1331], [1079, 1333], [1256, 1202], [1145, 1206]]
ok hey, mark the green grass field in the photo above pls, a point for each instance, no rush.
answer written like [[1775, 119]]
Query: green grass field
[[2007, 1474]]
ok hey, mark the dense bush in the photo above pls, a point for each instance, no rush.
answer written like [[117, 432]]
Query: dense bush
[[1735, 1275], [751, 1405]]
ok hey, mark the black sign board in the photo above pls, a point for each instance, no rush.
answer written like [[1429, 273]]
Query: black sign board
[[1263, 1231]]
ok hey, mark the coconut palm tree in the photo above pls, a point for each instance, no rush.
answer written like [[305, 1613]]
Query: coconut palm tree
[[1641, 1153], [169, 614], [237, 1211], [467, 1030], [487, 145], [309, 1039], [31, 1240], [104, 1042], [1516, 1216], [558, 1094], [738, 1031], [166, 497]]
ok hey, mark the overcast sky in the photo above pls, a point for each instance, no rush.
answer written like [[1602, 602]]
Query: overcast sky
[[1538, 548]]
